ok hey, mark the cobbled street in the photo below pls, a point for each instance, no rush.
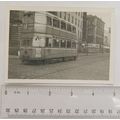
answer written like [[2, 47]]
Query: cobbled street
[[93, 66]]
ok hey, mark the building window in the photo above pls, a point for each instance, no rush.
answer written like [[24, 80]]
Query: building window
[[56, 23], [49, 20], [75, 21], [78, 23], [63, 43], [74, 29], [78, 33], [65, 15], [69, 27], [55, 43], [68, 44], [63, 25], [72, 19], [69, 17]]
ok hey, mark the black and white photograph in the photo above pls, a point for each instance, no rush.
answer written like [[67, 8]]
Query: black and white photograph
[[60, 45]]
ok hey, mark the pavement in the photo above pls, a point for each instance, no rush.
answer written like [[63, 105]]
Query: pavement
[[94, 66]]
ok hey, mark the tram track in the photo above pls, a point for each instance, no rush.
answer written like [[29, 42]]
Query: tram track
[[75, 66], [60, 70]]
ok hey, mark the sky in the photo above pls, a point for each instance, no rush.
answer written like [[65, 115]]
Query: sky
[[104, 14]]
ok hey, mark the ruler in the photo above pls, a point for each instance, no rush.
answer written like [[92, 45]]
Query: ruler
[[33, 101]]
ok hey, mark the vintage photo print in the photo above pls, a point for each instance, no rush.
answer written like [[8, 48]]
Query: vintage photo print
[[60, 46]]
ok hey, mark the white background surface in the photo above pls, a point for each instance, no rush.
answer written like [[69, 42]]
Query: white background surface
[[116, 41]]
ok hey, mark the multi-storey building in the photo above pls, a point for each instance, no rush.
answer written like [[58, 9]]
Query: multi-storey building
[[107, 37], [95, 30], [84, 31], [15, 29], [61, 25]]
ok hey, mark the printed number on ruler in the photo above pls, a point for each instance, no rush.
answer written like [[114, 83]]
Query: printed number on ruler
[[61, 101]]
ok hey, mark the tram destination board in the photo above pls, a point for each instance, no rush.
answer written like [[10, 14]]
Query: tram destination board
[[60, 102]]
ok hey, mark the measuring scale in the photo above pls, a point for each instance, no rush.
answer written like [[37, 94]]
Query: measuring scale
[[59, 102]]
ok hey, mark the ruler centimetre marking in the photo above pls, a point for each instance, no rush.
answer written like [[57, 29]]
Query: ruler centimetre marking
[[41, 101]]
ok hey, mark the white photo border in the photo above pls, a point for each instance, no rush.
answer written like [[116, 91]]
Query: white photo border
[[60, 81]]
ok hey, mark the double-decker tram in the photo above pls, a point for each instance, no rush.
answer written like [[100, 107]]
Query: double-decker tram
[[46, 37]]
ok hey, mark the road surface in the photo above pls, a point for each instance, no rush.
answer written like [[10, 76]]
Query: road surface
[[91, 67]]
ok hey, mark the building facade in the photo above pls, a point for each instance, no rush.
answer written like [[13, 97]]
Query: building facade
[[15, 31], [84, 31], [107, 37], [95, 30]]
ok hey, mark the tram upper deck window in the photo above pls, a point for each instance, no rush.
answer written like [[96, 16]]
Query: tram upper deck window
[[68, 44], [49, 20], [69, 27], [55, 43], [56, 23], [63, 25], [63, 43]]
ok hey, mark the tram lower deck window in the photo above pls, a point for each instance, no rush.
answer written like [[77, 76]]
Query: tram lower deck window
[[73, 44], [63, 43], [47, 42], [55, 43], [68, 44]]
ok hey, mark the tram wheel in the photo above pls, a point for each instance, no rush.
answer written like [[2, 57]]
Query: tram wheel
[[63, 59], [44, 62], [23, 61]]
